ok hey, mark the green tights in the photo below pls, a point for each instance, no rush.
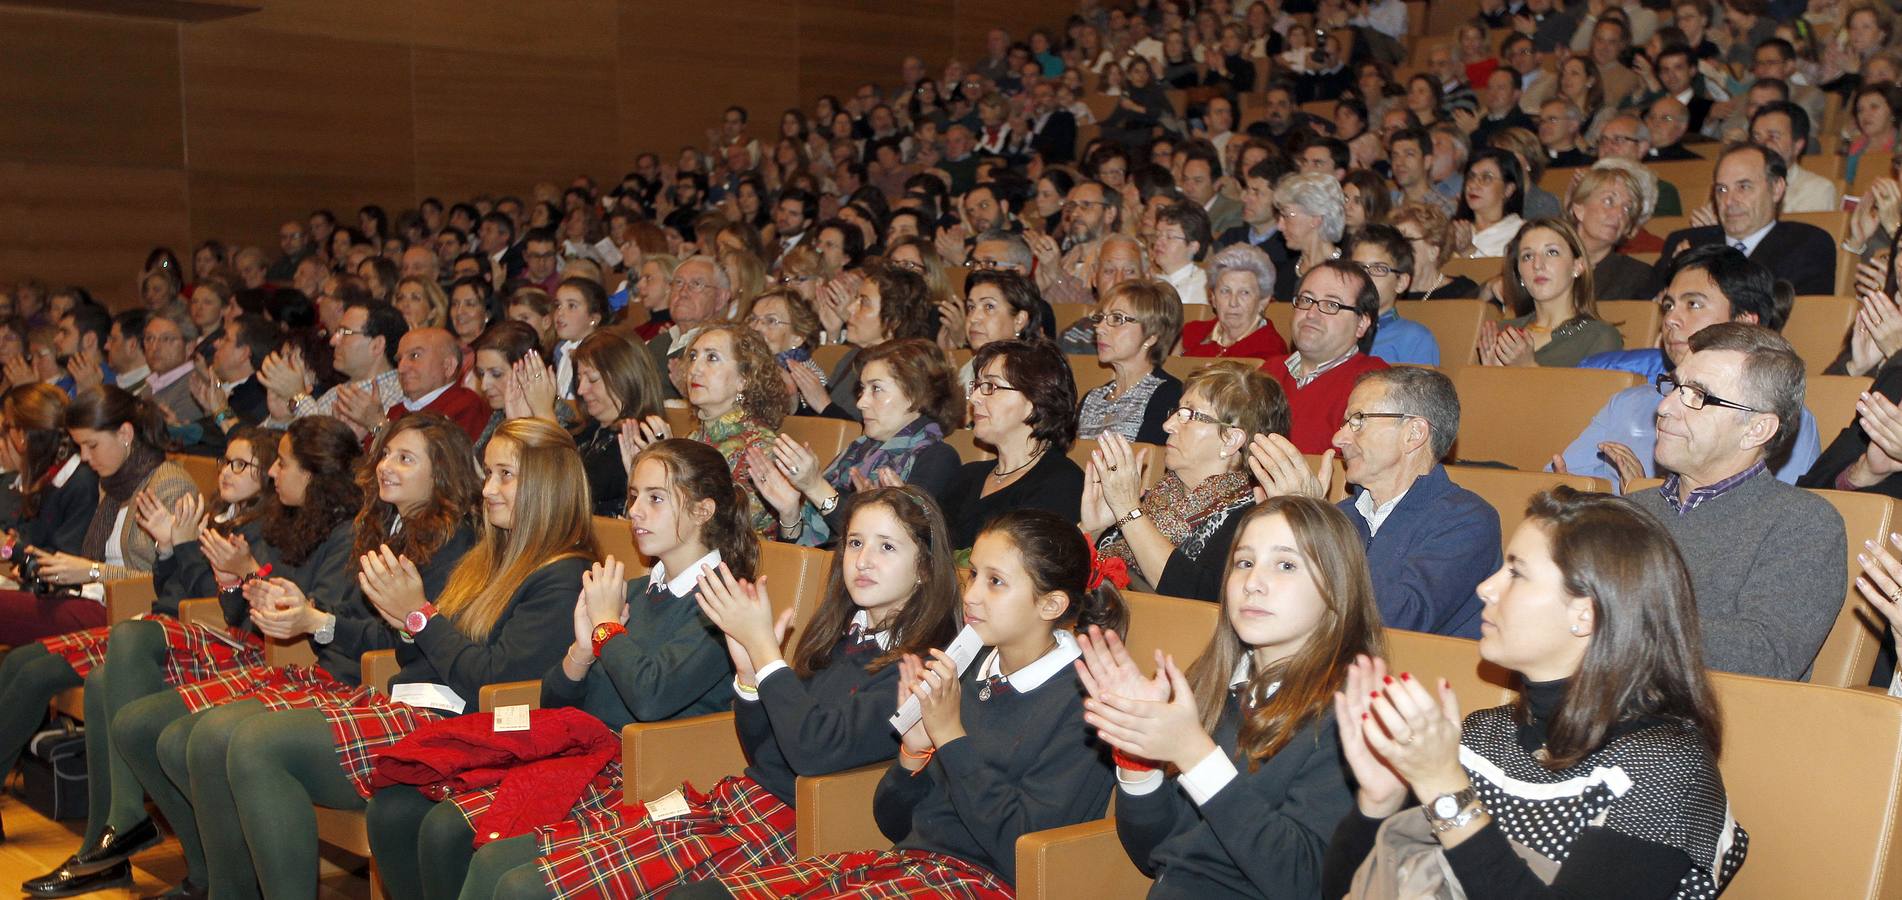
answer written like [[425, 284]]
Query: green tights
[[280, 764]]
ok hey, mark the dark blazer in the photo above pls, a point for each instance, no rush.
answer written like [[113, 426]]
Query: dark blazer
[[1056, 140], [1801, 254]]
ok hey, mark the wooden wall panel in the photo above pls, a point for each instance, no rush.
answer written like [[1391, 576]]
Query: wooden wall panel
[[499, 123], [88, 225], [89, 90], [383, 21], [568, 28], [977, 17], [681, 64], [842, 44]]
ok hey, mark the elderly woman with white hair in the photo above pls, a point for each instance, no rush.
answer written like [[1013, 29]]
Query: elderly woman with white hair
[[1312, 211], [1241, 284], [1608, 204]]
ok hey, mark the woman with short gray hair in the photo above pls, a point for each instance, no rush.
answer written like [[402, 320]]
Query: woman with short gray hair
[[1312, 211], [1241, 283]]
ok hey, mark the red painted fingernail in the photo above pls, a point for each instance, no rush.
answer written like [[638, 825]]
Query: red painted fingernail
[[1406, 676], [1363, 715], [1374, 694], [1387, 678]]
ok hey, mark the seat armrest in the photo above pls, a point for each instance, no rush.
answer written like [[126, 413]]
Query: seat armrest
[[1084, 860], [835, 812], [379, 666], [510, 693], [657, 756], [128, 597], [202, 611]]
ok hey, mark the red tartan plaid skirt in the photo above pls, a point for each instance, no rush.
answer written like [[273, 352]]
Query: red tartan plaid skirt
[[870, 875], [738, 827], [362, 720], [193, 653]]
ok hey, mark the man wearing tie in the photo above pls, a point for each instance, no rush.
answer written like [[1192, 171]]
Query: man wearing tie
[[1745, 198]]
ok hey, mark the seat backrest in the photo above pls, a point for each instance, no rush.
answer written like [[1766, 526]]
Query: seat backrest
[[1814, 774], [1834, 221], [1089, 373], [1454, 323], [616, 538], [795, 577], [203, 471], [826, 436], [1481, 270], [1493, 423], [964, 440], [1196, 312], [1477, 684], [1178, 627], [1064, 315], [681, 420], [827, 356], [1281, 315], [1849, 653], [1509, 489], [1817, 329], [1832, 400], [1636, 321], [1184, 366]]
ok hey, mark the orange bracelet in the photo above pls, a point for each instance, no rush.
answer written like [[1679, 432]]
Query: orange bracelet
[[1133, 763], [926, 756]]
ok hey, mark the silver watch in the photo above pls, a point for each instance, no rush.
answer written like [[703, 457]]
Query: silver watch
[[326, 632], [1450, 811]]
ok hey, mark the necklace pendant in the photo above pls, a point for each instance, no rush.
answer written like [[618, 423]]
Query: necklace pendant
[[984, 693]]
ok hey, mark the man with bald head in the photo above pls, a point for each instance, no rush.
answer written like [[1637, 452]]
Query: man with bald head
[[1669, 119], [294, 239], [422, 262], [427, 360]]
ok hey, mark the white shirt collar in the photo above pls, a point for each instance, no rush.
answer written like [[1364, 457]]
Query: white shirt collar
[[1244, 669], [1684, 96], [422, 403], [129, 378], [1032, 676], [863, 620], [1375, 515], [683, 584], [1750, 241]]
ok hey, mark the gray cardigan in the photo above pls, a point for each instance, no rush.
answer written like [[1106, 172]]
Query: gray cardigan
[[1767, 563]]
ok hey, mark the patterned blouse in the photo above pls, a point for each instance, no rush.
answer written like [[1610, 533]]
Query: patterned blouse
[[1186, 516], [732, 434], [1122, 414]]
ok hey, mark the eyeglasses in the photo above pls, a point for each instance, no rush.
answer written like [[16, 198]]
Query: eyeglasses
[[988, 265], [239, 466], [695, 286], [1186, 414], [987, 388], [1074, 205], [346, 332], [1112, 318], [799, 279], [1357, 421], [1176, 236], [765, 321], [1377, 269], [1694, 397], [909, 265], [1309, 301]]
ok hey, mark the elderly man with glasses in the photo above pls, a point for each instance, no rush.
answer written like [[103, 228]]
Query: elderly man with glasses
[[1762, 554], [1429, 541], [700, 291]]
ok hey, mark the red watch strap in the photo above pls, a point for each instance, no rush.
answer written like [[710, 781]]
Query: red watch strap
[[605, 633]]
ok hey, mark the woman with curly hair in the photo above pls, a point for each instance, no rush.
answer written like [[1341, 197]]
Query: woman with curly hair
[[734, 386]]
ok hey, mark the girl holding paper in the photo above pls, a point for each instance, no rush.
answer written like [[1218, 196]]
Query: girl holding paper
[[999, 751], [1248, 733], [641, 652]]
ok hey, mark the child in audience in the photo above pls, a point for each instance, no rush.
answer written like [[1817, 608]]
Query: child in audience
[[1248, 733], [491, 625], [641, 652], [999, 751], [892, 591]]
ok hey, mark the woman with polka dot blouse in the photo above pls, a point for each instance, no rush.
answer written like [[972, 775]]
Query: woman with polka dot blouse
[[1600, 781]]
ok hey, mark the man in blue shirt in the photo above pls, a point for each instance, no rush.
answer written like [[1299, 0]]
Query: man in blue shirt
[[81, 341], [1709, 284], [1387, 256]]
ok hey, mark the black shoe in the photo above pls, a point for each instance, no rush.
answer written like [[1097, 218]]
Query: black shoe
[[184, 890], [64, 882], [114, 848]]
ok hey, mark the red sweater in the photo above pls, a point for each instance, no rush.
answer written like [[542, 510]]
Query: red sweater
[[1263, 343], [1315, 412], [468, 409]]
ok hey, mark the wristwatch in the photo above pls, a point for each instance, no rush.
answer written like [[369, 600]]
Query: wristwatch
[[419, 618], [94, 572], [326, 632], [1450, 811], [1131, 516]]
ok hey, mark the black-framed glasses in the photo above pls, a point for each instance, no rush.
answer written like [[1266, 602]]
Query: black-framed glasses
[[987, 388], [1185, 414], [1377, 269], [1357, 421], [1694, 397], [1309, 301], [1117, 319], [240, 466]]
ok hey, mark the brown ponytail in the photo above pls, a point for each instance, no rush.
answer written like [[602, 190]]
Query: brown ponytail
[[1058, 558]]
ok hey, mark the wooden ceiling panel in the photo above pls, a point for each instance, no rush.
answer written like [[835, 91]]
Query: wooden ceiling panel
[[88, 90]]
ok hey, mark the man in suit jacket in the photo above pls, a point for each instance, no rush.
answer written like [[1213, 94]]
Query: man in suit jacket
[[1051, 131], [1747, 193], [1200, 168]]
